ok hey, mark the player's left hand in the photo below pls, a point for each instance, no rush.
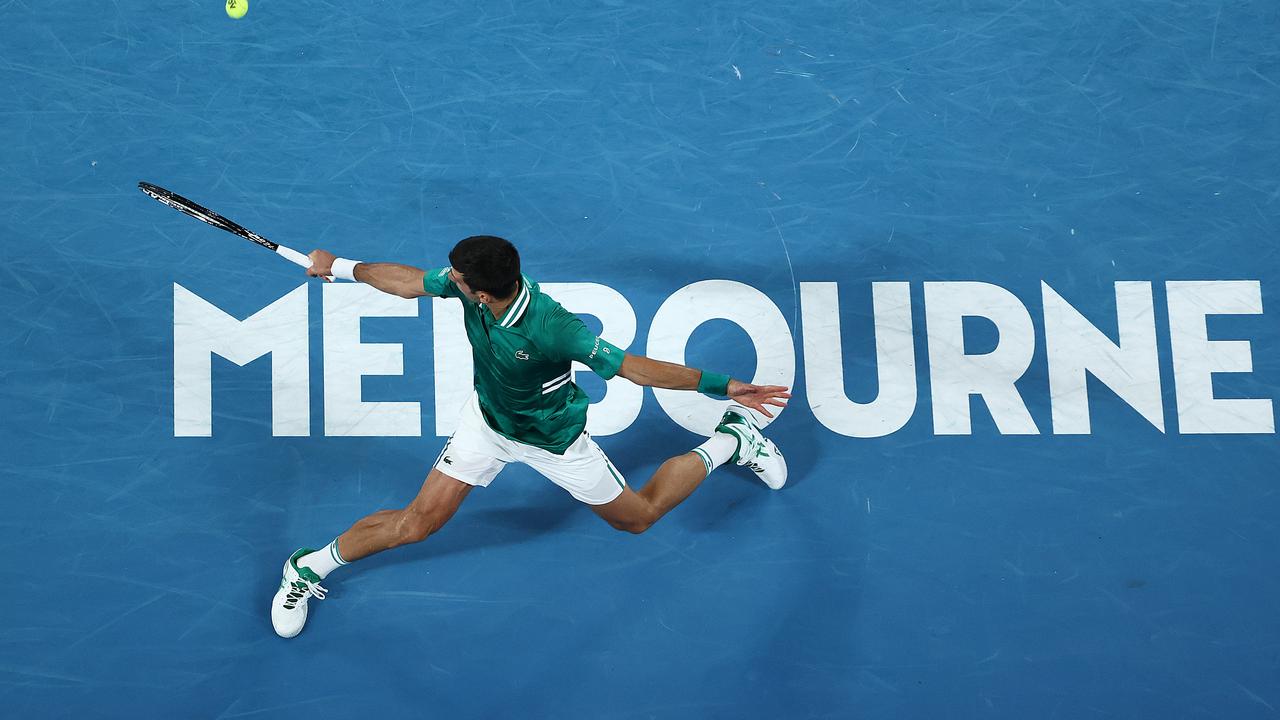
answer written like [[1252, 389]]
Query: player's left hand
[[757, 397]]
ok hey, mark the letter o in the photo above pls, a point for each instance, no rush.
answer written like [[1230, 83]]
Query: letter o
[[740, 304]]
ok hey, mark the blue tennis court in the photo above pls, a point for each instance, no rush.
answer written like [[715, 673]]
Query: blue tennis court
[[1018, 261]]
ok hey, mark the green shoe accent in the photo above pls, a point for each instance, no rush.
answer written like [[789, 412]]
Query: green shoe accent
[[727, 421], [732, 417], [737, 450], [305, 573], [306, 585]]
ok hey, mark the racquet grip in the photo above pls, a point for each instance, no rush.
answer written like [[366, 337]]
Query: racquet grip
[[293, 256]]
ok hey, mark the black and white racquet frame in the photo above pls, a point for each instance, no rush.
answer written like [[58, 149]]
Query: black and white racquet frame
[[203, 214]]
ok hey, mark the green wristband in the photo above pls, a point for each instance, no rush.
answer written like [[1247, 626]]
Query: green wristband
[[713, 384]]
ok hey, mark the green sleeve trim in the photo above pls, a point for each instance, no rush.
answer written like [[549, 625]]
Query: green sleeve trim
[[713, 384], [611, 363], [436, 283]]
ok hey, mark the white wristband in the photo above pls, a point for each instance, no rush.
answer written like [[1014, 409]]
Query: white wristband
[[344, 268]]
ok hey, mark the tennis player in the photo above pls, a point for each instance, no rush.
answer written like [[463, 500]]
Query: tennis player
[[526, 408]]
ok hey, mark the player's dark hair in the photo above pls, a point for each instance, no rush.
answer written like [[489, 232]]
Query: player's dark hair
[[488, 264]]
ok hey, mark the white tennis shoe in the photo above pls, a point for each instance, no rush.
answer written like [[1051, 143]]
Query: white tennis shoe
[[755, 451], [289, 606]]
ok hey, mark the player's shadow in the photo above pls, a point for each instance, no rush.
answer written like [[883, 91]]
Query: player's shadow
[[729, 490], [544, 510], [534, 511], [471, 530], [474, 529], [796, 437]]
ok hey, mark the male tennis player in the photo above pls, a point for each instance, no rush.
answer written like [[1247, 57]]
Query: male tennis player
[[527, 409]]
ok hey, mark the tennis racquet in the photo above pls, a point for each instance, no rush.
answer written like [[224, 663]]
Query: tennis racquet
[[203, 214]]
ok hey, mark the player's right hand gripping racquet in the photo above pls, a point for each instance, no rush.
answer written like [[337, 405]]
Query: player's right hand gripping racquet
[[203, 214]]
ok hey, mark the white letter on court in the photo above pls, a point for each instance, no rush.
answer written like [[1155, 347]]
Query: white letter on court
[[1075, 347], [954, 376], [895, 360], [454, 366], [741, 304], [623, 398], [346, 360], [200, 329], [1196, 357]]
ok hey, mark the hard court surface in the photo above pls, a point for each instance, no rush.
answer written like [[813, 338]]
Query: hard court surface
[[1128, 572]]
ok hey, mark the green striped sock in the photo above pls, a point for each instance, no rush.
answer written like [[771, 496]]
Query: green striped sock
[[323, 561], [716, 451]]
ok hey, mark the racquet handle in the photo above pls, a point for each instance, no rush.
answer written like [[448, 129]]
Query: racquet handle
[[293, 256]]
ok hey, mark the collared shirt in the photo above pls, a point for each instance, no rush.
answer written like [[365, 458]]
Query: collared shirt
[[522, 363]]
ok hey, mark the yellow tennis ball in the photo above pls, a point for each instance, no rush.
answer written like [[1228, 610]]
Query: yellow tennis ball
[[237, 8]]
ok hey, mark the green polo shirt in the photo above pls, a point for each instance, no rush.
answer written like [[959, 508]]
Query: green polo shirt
[[522, 363]]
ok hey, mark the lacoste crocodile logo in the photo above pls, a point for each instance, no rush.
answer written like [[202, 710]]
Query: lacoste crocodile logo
[[522, 355]]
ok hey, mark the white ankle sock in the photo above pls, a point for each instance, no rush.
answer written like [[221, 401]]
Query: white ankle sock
[[717, 450], [323, 561]]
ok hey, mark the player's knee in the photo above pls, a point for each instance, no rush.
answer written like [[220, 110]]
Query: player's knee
[[635, 527]]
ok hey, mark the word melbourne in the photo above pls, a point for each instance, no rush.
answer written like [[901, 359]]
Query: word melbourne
[[1127, 362]]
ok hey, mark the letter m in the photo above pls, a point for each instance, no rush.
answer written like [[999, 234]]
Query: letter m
[[201, 329]]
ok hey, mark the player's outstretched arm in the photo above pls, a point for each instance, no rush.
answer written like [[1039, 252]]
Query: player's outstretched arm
[[393, 278], [657, 373]]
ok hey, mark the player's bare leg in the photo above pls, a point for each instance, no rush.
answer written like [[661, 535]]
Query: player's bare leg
[[673, 482], [434, 505], [737, 439], [436, 502]]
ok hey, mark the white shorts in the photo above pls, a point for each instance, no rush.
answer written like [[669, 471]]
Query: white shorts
[[475, 454]]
